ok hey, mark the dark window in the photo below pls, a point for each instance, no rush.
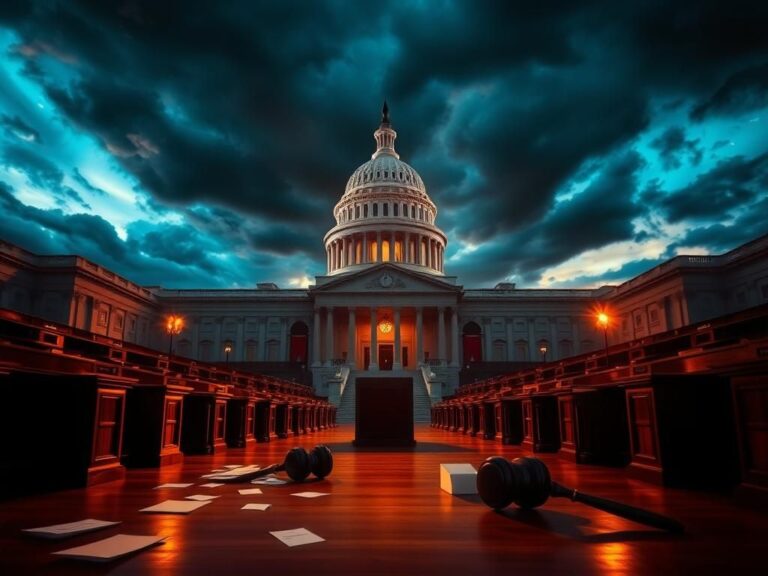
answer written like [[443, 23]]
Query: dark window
[[394, 209], [375, 209], [386, 210]]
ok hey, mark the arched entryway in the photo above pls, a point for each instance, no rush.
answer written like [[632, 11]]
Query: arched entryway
[[473, 346], [299, 332]]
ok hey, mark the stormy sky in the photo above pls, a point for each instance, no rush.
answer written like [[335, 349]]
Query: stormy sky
[[204, 144]]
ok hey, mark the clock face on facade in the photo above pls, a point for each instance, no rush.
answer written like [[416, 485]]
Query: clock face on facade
[[386, 280]]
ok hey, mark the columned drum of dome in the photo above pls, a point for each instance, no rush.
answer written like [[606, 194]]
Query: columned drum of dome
[[385, 215]]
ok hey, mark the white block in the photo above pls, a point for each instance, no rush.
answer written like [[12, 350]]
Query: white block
[[458, 478]]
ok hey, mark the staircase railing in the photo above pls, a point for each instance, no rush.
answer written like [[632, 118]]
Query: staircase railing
[[433, 383]]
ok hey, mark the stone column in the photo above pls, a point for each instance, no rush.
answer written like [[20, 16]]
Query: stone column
[[284, 340], [510, 340], [533, 349], [329, 336], [262, 339], [487, 332], [419, 337], [454, 337], [374, 363], [407, 242], [351, 340], [441, 335], [554, 352], [240, 341], [397, 364], [429, 252], [576, 336], [316, 339]]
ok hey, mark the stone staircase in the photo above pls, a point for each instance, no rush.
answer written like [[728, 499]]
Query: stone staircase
[[421, 402]]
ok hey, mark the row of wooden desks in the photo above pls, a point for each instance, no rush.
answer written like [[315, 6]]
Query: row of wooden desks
[[64, 430], [690, 424]]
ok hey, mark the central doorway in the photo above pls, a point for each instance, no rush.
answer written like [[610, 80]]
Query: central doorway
[[386, 356]]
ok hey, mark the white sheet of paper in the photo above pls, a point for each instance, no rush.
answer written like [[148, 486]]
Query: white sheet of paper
[[111, 548], [254, 506], [269, 481], [175, 507], [70, 528], [248, 491], [233, 466], [310, 494], [174, 485], [201, 497], [211, 485], [297, 537], [219, 470]]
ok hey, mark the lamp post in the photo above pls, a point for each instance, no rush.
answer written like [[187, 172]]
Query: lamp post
[[173, 325], [603, 320], [227, 350], [543, 349]]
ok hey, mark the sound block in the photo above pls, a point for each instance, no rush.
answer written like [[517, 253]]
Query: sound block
[[458, 478]]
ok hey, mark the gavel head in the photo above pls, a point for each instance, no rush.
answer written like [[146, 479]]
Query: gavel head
[[299, 463], [524, 481]]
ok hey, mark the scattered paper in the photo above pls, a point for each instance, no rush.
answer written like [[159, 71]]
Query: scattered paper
[[310, 494], [174, 485], [297, 537], [241, 473], [269, 481], [175, 507], [233, 466], [201, 497], [211, 485], [261, 507], [70, 529], [219, 470], [111, 548], [248, 491]]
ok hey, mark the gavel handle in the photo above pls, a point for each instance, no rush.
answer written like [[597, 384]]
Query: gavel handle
[[267, 471], [619, 509]]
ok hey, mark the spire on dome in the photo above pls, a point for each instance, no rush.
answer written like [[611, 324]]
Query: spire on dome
[[385, 136]]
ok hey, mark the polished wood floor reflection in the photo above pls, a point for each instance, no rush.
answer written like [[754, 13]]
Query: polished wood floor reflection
[[387, 515]]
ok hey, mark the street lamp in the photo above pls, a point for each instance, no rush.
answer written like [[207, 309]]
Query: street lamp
[[603, 320], [227, 350], [543, 349], [174, 325]]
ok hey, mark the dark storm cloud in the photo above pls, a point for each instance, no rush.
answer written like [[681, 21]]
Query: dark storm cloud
[[15, 126], [169, 252], [249, 117], [734, 183], [43, 174], [672, 147], [85, 183], [744, 91], [600, 214]]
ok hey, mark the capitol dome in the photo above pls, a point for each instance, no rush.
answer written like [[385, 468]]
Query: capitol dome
[[385, 215]]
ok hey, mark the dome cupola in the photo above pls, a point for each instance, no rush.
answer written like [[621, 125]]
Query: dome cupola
[[385, 215]]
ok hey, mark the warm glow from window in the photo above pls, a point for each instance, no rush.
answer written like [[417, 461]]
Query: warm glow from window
[[385, 326], [398, 251]]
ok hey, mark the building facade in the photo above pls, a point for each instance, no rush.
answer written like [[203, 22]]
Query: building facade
[[386, 302]]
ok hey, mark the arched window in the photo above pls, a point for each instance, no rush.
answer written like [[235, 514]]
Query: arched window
[[385, 208], [299, 334], [413, 211], [499, 350], [521, 350], [394, 209], [365, 210], [565, 347], [473, 348], [273, 351], [204, 350], [357, 211], [184, 348], [375, 209], [251, 348]]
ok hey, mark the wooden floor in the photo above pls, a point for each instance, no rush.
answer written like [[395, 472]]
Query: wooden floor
[[387, 515]]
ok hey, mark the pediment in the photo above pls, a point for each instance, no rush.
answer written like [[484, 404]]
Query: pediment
[[386, 278]]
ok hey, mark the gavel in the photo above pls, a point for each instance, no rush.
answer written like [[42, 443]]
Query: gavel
[[299, 463], [527, 483]]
